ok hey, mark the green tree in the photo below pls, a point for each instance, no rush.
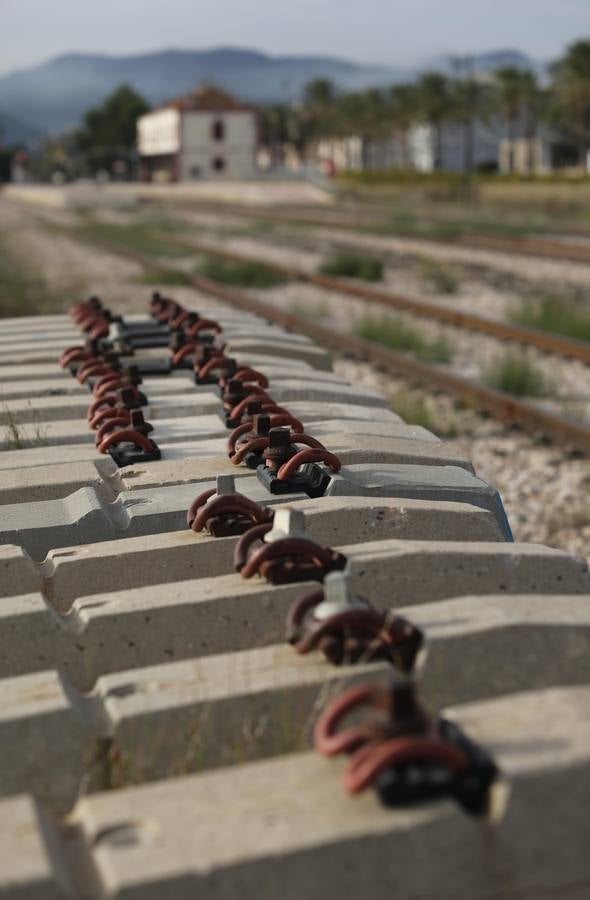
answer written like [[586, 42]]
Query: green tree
[[510, 100], [403, 105], [571, 95], [108, 131], [535, 109], [471, 102], [434, 102], [319, 94]]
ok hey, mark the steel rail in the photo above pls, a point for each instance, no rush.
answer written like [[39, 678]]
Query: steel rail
[[545, 341], [500, 405], [347, 220]]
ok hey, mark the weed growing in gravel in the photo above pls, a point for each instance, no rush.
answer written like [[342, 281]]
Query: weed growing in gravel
[[441, 277], [514, 374], [242, 274], [560, 315], [311, 310], [394, 332], [414, 409], [16, 436], [138, 237], [353, 265], [22, 291]]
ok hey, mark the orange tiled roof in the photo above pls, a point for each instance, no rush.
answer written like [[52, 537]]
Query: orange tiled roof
[[208, 98]]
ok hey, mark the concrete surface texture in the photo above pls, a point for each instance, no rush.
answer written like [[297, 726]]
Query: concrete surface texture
[[157, 728]]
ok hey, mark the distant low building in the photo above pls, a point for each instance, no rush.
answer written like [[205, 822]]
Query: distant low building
[[413, 149], [206, 134]]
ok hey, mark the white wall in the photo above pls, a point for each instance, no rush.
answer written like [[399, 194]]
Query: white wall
[[237, 148], [158, 132]]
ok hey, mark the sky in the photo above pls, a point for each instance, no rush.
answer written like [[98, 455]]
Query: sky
[[394, 32]]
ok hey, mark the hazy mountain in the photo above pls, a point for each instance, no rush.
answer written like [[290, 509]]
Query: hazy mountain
[[13, 131], [487, 62], [54, 95]]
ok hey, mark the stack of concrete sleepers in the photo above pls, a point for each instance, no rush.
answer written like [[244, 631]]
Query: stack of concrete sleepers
[[157, 728]]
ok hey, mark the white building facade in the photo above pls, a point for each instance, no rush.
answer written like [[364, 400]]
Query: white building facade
[[207, 134]]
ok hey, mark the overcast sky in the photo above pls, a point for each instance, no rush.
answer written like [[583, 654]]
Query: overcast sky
[[382, 31]]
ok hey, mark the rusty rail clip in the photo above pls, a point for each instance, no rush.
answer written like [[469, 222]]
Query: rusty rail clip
[[288, 470], [281, 552], [404, 754], [222, 511], [129, 446], [129, 397], [347, 629], [235, 397], [125, 419]]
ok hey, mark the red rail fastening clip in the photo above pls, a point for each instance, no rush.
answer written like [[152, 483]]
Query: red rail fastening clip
[[127, 419], [278, 446], [168, 310], [403, 753], [222, 511], [201, 325], [129, 397], [75, 354], [347, 629], [281, 552], [282, 461], [224, 366], [85, 308], [247, 442], [246, 374], [253, 407]]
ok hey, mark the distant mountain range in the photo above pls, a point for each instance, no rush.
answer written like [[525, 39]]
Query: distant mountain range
[[54, 95]]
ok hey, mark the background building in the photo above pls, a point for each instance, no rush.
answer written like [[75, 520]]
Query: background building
[[206, 134]]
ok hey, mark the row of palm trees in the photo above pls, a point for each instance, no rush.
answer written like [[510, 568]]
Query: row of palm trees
[[514, 95]]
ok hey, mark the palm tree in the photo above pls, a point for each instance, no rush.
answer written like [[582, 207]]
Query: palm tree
[[404, 112], [534, 104], [434, 100], [470, 102], [510, 91], [571, 93]]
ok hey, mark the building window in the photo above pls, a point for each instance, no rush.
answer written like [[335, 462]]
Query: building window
[[218, 164], [195, 171], [218, 130]]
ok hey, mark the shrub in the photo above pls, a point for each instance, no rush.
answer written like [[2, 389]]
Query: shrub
[[514, 374], [353, 265], [442, 277], [242, 274], [396, 333], [559, 315]]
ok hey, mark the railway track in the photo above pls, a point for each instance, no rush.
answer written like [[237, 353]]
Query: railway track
[[502, 406], [530, 337], [539, 247], [187, 621]]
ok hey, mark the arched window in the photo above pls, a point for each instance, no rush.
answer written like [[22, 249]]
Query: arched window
[[218, 164], [218, 130]]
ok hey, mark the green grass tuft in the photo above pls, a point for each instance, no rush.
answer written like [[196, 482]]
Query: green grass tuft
[[23, 292], [242, 274], [559, 315], [442, 277], [515, 375], [136, 237], [394, 332], [353, 265]]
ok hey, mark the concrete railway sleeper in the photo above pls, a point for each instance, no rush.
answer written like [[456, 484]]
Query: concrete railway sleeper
[[163, 620]]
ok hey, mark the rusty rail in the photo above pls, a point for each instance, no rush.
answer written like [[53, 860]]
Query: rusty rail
[[348, 220], [545, 341]]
